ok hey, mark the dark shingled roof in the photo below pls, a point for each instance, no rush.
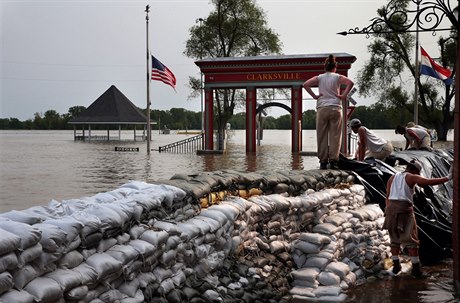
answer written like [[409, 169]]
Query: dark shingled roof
[[112, 107]]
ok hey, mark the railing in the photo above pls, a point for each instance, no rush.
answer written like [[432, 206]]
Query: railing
[[352, 144], [184, 146]]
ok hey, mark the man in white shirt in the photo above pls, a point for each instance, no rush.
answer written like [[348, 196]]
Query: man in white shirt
[[369, 144], [399, 213], [416, 138]]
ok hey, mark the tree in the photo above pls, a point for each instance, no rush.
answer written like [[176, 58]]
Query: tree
[[385, 75], [235, 28]]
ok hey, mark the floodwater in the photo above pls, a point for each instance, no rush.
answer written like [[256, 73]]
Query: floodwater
[[39, 166]]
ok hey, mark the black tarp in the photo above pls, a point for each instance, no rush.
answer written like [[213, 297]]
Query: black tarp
[[432, 204]]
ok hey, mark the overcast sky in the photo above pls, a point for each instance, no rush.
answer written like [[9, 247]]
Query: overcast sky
[[57, 54]]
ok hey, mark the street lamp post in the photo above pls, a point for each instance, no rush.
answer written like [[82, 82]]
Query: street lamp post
[[428, 18], [201, 78]]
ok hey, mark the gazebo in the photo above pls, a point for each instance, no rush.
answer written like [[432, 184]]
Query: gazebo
[[111, 108]]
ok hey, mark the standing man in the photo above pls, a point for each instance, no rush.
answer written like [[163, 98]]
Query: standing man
[[369, 144], [416, 138], [399, 214], [329, 111]]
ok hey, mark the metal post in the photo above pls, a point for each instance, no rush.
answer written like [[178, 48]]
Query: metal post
[[201, 78], [149, 130], [417, 73], [456, 164]]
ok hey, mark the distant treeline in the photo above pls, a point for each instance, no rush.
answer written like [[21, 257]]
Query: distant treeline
[[373, 117]]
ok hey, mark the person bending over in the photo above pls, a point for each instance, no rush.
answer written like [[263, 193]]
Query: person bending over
[[369, 144], [416, 138]]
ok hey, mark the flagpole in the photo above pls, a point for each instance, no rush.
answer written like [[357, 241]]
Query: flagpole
[[417, 73], [149, 130]]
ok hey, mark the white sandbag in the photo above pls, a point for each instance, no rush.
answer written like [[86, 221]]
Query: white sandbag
[[138, 298], [29, 254], [302, 291], [130, 288], [6, 282], [215, 214], [22, 276], [305, 283], [106, 244], [339, 268], [168, 258], [29, 235], [131, 269], [69, 225], [172, 242], [326, 228], [45, 259], [104, 264], [144, 248], [8, 261], [317, 262], [308, 274], [361, 214], [170, 227], [315, 238], [145, 278], [328, 278], [15, 296], [278, 246], [91, 223], [213, 224], [70, 260], [165, 286], [123, 253], [53, 237], [307, 247], [21, 216], [88, 274], [9, 242], [44, 289], [113, 295], [77, 293], [110, 219], [156, 238], [335, 219], [188, 230], [327, 291], [66, 278]]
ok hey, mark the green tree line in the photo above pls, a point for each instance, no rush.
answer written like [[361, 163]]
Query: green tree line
[[376, 116]]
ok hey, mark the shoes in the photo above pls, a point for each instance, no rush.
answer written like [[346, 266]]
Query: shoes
[[323, 165], [334, 165], [416, 270], [396, 266]]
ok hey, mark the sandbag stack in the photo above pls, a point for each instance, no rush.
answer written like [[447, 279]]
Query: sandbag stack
[[154, 243]]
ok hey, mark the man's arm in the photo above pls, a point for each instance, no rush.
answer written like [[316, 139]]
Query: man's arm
[[412, 179]]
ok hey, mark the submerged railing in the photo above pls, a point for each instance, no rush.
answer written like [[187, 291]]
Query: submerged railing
[[184, 146]]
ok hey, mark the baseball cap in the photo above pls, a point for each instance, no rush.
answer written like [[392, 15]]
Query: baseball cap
[[355, 122], [414, 164]]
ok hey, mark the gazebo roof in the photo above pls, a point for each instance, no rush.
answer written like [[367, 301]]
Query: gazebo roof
[[112, 107]]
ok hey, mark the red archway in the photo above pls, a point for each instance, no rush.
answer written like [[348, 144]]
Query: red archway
[[250, 73]]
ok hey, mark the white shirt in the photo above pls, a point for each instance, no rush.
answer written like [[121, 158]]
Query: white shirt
[[399, 189], [328, 87], [374, 143]]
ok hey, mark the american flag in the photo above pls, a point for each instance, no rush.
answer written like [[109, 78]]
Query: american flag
[[162, 73]]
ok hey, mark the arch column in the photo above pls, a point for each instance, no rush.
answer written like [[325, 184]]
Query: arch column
[[296, 100], [250, 119], [209, 119]]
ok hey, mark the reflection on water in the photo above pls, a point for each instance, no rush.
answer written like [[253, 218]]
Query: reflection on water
[[436, 287]]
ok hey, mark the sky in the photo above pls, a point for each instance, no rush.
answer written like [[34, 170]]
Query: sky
[[56, 54]]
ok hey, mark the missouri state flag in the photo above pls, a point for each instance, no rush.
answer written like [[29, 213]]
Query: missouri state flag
[[430, 68], [161, 73]]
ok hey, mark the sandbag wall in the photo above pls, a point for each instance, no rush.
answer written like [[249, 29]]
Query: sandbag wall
[[155, 243]]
